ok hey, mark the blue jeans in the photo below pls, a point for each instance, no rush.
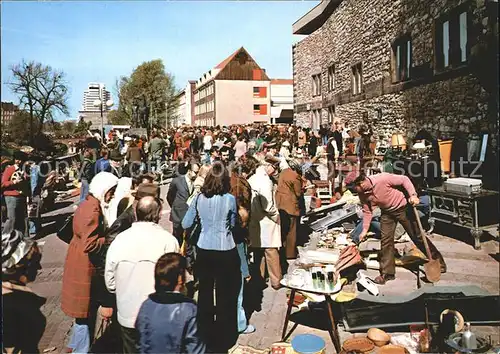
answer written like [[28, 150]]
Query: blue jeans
[[242, 318], [374, 227], [84, 190], [80, 336], [16, 214]]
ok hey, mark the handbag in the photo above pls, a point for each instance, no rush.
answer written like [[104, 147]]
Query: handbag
[[65, 233], [194, 233]]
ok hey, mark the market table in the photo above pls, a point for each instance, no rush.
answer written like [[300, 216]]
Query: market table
[[333, 330]]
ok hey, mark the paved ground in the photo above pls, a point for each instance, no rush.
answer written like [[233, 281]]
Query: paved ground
[[465, 266]]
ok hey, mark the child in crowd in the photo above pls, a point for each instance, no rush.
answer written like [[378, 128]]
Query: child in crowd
[[167, 319]]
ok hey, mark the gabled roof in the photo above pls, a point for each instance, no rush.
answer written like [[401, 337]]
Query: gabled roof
[[226, 61]]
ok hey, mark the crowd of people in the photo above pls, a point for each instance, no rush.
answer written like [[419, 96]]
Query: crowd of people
[[237, 194]]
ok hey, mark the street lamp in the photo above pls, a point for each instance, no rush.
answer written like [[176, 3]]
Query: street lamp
[[100, 104]]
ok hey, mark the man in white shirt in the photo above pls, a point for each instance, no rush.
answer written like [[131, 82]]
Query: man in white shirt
[[130, 264]]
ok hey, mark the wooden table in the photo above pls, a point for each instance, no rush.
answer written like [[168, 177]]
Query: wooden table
[[333, 330], [477, 212]]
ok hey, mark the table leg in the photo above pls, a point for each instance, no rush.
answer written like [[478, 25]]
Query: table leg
[[432, 224], [476, 234], [288, 312], [333, 331]]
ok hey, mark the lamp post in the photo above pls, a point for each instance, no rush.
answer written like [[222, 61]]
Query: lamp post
[[100, 104]]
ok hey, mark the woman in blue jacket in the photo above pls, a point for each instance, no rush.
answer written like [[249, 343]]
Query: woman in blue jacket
[[217, 260]]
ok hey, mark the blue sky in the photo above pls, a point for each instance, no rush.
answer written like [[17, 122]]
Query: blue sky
[[99, 41]]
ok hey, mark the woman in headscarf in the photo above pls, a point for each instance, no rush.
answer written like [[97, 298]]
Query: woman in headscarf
[[121, 198], [79, 295], [23, 322]]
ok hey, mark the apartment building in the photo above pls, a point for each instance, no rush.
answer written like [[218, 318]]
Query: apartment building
[[236, 91], [184, 107], [94, 91], [9, 109]]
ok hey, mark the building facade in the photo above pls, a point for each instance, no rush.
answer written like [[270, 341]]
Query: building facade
[[236, 91], [94, 91], [398, 66], [9, 109], [183, 111], [281, 101]]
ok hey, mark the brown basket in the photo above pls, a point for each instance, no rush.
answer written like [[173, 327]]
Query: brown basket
[[392, 349], [361, 344]]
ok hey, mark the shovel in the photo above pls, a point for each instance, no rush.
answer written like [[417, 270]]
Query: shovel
[[432, 268]]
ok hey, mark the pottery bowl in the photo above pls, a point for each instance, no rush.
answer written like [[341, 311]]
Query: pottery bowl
[[378, 337]]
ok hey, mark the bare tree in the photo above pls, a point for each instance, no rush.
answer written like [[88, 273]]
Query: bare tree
[[41, 89]]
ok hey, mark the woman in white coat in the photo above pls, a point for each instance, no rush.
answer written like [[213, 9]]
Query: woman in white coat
[[264, 227]]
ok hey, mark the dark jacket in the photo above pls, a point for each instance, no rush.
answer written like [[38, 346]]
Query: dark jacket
[[87, 170], [338, 139], [330, 151], [177, 195], [166, 323]]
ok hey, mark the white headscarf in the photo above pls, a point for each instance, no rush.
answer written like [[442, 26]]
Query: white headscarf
[[122, 190], [100, 185]]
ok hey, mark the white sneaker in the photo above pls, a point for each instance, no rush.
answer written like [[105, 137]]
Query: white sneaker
[[250, 329]]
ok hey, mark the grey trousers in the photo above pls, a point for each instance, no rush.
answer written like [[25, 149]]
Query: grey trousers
[[16, 214]]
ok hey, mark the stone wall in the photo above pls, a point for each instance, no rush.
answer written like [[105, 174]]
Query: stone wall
[[444, 103]]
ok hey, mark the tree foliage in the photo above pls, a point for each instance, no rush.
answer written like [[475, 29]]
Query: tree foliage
[[82, 127], [42, 91], [118, 117], [68, 127], [144, 95]]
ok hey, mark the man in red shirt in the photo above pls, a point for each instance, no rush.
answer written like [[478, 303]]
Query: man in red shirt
[[15, 189], [387, 191]]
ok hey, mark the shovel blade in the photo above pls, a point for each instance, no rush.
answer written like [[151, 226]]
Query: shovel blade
[[432, 270]]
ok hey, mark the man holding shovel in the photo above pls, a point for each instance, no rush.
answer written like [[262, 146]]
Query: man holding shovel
[[392, 194]]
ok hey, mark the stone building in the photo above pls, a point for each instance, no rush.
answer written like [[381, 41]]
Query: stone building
[[399, 65]]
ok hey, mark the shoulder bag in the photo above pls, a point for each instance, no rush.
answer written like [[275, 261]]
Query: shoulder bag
[[195, 230]]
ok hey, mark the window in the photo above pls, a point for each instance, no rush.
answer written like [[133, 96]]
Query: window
[[402, 59], [452, 45], [210, 106], [316, 119], [331, 113], [316, 85], [260, 109], [331, 78], [260, 92], [357, 79]]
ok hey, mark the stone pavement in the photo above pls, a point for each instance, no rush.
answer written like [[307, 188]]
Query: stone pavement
[[465, 266]]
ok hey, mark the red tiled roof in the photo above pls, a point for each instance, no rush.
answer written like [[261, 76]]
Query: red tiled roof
[[223, 63], [281, 82]]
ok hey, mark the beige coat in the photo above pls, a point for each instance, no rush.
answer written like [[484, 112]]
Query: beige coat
[[264, 225]]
